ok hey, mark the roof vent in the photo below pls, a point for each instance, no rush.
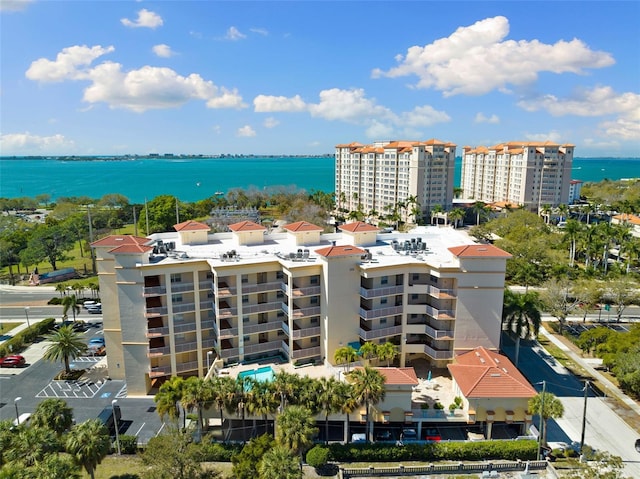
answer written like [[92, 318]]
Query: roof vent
[[482, 360], [495, 375]]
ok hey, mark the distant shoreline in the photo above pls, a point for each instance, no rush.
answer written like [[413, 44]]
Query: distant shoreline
[[154, 157]]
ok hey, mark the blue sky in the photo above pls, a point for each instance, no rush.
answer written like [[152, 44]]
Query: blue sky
[[299, 77]]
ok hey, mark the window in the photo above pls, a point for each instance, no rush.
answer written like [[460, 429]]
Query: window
[[246, 339], [279, 275], [280, 332], [383, 300], [383, 321], [279, 294], [315, 280], [315, 320], [176, 278], [176, 298], [245, 298], [314, 340], [245, 278], [384, 280], [246, 319], [280, 314], [178, 317]]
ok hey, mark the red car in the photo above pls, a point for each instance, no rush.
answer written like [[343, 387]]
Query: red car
[[12, 361]]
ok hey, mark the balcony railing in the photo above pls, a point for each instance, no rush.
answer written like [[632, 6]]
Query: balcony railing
[[438, 333], [261, 287], [262, 327], [226, 291], [262, 347], [377, 292], [306, 352], [262, 307], [208, 284], [154, 291], [188, 366], [299, 292], [229, 353], [380, 312], [285, 347], [228, 333], [227, 312], [440, 313], [305, 332], [301, 312], [161, 351], [204, 305], [440, 293], [159, 371], [183, 307], [181, 287], [438, 354], [155, 312], [380, 333]]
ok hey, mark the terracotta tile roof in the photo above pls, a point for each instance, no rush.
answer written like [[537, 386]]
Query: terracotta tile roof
[[433, 141], [191, 226], [302, 226], [400, 144], [479, 251], [481, 373], [575, 182], [333, 251], [358, 227], [349, 145], [399, 376], [628, 218], [131, 249], [246, 226], [119, 240]]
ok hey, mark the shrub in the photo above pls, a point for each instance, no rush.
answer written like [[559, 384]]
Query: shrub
[[318, 456], [438, 405], [128, 444], [25, 337], [55, 300], [216, 452]]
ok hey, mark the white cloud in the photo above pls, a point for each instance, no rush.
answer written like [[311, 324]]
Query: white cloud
[[270, 122], [553, 135], [67, 64], [246, 131], [12, 143], [163, 50], [267, 103], [423, 116], [217, 129], [599, 101], [481, 118], [139, 90], [146, 19], [379, 130], [234, 34], [477, 59], [347, 105], [14, 5], [260, 31]]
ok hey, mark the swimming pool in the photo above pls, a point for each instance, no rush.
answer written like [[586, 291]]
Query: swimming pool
[[264, 374]]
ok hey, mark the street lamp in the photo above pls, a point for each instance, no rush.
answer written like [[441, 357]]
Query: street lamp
[[15, 402], [209, 353], [115, 423], [26, 312]]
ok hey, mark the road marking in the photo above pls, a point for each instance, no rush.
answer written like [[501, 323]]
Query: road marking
[[138, 433]]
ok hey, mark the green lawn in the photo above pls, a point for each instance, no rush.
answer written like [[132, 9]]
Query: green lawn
[[6, 327]]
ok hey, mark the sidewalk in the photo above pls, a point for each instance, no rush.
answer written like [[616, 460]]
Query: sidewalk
[[576, 358]]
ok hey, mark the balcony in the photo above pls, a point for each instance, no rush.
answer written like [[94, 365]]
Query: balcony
[[305, 332], [159, 371], [181, 287], [204, 305], [208, 324], [155, 312], [297, 313], [440, 313], [263, 347], [261, 287], [228, 333], [261, 307], [441, 293], [262, 327], [154, 291], [299, 292], [225, 291], [208, 284], [157, 332], [161, 351], [188, 366], [227, 312], [380, 312], [422, 328], [229, 353], [377, 292], [438, 354], [183, 307], [306, 352], [380, 333]]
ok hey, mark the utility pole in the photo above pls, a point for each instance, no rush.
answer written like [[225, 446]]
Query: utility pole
[[541, 424], [135, 222], [93, 256], [584, 414]]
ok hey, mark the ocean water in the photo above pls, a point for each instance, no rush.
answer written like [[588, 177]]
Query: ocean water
[[198, 178]]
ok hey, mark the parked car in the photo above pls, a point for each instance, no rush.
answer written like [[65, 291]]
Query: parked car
[[96, 341], [22, 419], [384, 435], [96, 350], [88, 304], [432, 434], [95, 310], [14, 361], [409, 434]]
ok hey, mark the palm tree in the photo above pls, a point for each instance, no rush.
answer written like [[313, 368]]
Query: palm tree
[[349, 403], [345, 355], [260, 401], [296, 428], [546, 405], [369, 389], [368, 351], [435, 212], [284, 387], [521, 316], [30, 445], [329, 400], [55, 466], [65, 344], [563, 210], [387, 352], [53, 413], [480, 209], [279, 463], [89, 444], [197, 394], [546, 212], [456, 215], [571, 232], [70, 303], [223, 395], [168, 398], [61, 288]]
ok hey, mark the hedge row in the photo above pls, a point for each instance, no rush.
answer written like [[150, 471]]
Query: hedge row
[[25, 337], [452, 451]]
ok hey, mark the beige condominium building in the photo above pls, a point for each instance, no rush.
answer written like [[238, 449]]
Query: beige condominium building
[[531, 174], [174, 303], [377, 177]]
